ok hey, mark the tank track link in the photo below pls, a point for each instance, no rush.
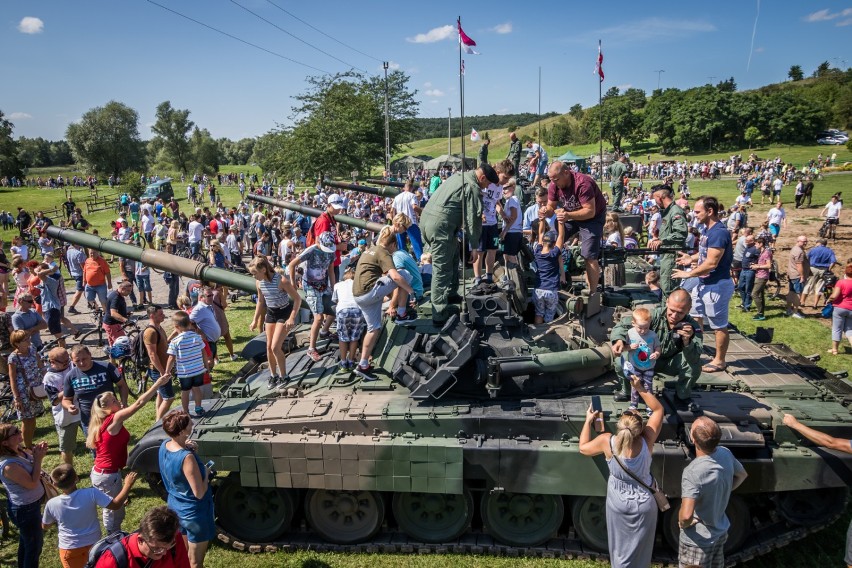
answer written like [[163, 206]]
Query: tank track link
[[763, 540]]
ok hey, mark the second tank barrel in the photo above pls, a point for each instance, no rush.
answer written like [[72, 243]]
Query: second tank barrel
[[312, 212], [381, 191], [386, 182]]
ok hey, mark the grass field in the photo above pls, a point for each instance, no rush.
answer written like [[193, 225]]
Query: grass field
[[808, 336]]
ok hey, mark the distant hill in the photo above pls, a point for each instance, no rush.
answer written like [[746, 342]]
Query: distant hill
[[437, 127]]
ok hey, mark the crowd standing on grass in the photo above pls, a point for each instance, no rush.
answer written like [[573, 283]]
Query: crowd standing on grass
[[345, 275]]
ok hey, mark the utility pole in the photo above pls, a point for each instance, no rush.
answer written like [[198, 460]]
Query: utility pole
[[659, 73], [387, 121], [449, 131]]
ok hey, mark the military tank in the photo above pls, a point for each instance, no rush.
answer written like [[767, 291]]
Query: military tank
[[468, 440]]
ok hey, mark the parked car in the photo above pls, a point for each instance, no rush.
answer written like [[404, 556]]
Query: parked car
[[833, 140], [158, 190]]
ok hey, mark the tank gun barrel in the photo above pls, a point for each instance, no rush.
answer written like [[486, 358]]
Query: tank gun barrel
[[618, 254], [380, 191], [553, 362], [386, 182], [312, 212], [156, 259]]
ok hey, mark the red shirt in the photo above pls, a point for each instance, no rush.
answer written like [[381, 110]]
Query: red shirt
[[177, 557], [214, 227], [581, 190], [112, 450], [324, 222], [844, 300]]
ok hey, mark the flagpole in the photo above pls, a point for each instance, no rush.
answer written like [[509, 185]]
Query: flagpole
[[600, 113], [464, 208]]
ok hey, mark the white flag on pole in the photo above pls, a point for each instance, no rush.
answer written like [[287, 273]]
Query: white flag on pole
[[474, 135]]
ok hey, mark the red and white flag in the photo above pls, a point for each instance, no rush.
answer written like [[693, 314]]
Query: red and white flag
[[466, 42], [474, 135], [599, 64]]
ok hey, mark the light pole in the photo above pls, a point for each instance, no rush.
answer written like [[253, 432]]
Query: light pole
[[449, 131], [659, 73], [387, 121]]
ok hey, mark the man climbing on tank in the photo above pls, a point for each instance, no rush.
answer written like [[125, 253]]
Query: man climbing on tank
[[681, 342], [456, 205]]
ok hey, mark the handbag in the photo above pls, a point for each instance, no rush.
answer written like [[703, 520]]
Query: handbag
[[828, 310], [38, 391], [50, 490], [659, 497]]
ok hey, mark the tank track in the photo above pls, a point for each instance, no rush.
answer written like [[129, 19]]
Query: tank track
[[763, 539]]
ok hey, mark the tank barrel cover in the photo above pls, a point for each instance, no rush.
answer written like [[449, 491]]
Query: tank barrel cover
[[156, 259], [386, 182], [313, 212], [380, 191]]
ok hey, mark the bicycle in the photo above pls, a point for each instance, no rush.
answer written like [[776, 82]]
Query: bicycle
[[829, 228], [134, 366], [95, 339]]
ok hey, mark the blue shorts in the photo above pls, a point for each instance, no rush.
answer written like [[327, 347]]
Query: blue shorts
[[53, 316], [97, 292], [488, 238], [167, 391], [187, 383], [796, 285], [143, 283], [542, 168], [79, 280], [774, 229], [712, 301], [314, 299]]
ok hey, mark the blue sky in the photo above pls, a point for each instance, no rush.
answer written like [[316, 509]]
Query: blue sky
[[61, 58]]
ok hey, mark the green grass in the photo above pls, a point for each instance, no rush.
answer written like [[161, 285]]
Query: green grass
[[824, 548]]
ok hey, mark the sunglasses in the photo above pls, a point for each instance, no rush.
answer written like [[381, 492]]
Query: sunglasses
[[162, 549]]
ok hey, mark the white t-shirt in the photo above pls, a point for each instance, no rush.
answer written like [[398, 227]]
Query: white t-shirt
[[490, 196], [77, 516], [512, 203], [775, 216], [343, 295], [833, 209], [777, 185], [147, 224], [196, 232], [404, 203], [654, 223], [55, 380]]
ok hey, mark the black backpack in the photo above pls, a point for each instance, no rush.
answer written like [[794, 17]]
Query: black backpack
[[137, 345], [114, 544]]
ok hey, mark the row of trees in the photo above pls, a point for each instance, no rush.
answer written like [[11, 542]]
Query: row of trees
[[713, 116], [437, 127]]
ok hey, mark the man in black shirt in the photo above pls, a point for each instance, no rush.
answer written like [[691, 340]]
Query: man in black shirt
[[116, 313], [24, 220], [69, 207], [87, 381]]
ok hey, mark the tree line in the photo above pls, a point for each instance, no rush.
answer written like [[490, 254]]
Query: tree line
[[437, 127]]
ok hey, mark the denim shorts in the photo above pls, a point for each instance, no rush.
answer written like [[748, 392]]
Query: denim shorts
[[167, 391], [712, 301], [143, 283]]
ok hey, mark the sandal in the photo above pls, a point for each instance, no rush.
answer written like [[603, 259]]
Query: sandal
[[711, 368], [314, 355]]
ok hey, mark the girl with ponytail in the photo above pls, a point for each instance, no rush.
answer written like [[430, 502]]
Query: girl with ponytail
[[631, 511]]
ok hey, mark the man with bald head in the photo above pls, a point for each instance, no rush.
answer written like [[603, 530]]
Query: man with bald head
[[681, 341], [577, 201], [705, 490]]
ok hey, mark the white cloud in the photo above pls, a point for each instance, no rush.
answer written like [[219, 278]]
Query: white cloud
[[433, 35], [20, 116], [393, 65], [502, 28], [433, 93], [624, 87], [427, 84], [845, 22], [648, 29], [826, 15], [31, 25]]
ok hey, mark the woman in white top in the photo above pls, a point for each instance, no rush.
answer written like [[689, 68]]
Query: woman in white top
[[614, 271]]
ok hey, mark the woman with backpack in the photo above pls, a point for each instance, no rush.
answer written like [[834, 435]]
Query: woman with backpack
[[110, 439]]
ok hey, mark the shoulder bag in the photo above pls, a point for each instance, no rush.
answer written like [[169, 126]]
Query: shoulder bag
[[660, 497]]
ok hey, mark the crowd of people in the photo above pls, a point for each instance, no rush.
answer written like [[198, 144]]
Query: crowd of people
[[345, 275]]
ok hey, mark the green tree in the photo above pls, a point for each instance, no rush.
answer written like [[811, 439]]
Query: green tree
[[402, 105], [10, 164], [576, 111], [205, 151], [658, 117], [620, 117], [752, 136], [822, 69], [33, 152], [172, 128], [106, 140], [795, 73], [60, 153]]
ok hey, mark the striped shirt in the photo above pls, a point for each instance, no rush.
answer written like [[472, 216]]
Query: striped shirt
[[187, 349], [274, 297]]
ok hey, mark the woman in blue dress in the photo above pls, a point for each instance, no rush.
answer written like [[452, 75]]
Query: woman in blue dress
[[187, 482], [631, 511]]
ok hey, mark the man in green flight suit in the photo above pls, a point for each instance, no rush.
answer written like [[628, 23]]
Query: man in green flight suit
[[483, 151], [681, 342], [455, 205], [514, 156], [673, 231], [617, 169]]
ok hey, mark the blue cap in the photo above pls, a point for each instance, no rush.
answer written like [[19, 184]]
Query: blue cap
[[362, 242]]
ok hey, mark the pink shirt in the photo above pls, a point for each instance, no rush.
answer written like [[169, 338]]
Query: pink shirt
[[844, 300]]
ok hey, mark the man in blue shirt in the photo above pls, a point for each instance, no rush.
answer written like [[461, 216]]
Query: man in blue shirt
[[822, 259], [712, 294], [76, 257]]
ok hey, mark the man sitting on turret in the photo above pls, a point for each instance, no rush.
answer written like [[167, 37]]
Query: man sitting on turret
[[681, 341]]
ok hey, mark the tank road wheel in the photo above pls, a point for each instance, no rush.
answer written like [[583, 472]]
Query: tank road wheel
[[345, 517], [254, 514], [522, 519], [813, 506], [589, 517], [737, 512], [433, 517], [155, 482]]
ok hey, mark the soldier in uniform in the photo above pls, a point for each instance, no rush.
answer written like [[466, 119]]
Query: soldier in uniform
[[673, 231], [514, 154], [681, 341], [616, 172], [483, 151], [455, 205]]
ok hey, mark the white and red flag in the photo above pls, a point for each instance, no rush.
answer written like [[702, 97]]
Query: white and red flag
[[474, 135], [599, 64], [466, 42]]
